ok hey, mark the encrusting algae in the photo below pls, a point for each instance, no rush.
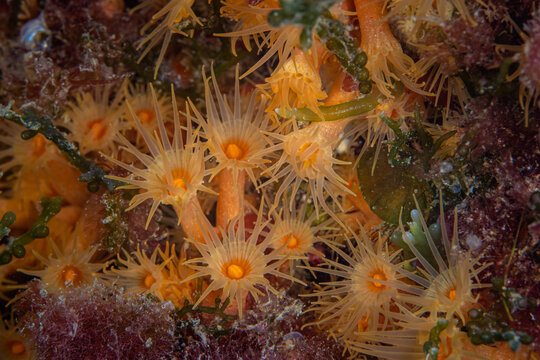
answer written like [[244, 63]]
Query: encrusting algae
[[269, 179]]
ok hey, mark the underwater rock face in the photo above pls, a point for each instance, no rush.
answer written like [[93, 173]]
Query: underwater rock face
[[269, 179]]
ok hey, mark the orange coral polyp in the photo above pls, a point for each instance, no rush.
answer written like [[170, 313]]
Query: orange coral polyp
[[451, 294], [38, 146], [363, 324], [236, 269], [147, 116], [295, 84], [235, 149], [70, 276], [97, 128], [16, 347], [387, 61], [148, 281], [179, 179], [294, 242], [310, 160], [377, 274]]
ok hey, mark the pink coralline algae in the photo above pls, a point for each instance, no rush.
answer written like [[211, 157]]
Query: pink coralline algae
[[531, 61], [500, 215], [95, 322], [271, 331]]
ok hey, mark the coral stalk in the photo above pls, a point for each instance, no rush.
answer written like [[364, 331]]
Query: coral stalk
[[190, 222], [386, 63], [231, 195]]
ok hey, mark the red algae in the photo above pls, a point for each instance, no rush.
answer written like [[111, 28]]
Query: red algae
[[271, 331], [95, 322]]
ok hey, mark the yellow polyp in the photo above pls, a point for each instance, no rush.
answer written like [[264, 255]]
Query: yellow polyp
[[235, 271], [363, 324], [377, 277], [451, 294], [17, 348], [303, 147], [179, 179], [296, 84], [234, 151], [38, 146], [70, 276], [179, 183], [310, 160], [97, 128], [293, 242], [376, 286], [145, 115], [182, 14], [148, 281]]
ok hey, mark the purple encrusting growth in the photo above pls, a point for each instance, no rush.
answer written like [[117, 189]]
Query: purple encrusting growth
[[473, 45], [530, 75], [79, 47], [491, 219], [95, 322], [271, 331]]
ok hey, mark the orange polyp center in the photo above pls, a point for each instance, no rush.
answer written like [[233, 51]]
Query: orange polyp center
[[97, 128], [145, 115], [377, 275], [293, 242], [236, 269], [148, 281], [182, 14], [178, 176], [38, 146], [70, 276], [17, 347], [235, 149], [235, 272], [363, 324], [179, 183], [310, 160], [451, 294]]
